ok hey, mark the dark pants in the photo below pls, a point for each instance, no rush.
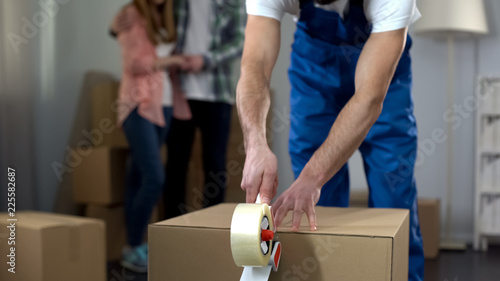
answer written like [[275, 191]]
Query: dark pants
[[146, 175], [213, 119]]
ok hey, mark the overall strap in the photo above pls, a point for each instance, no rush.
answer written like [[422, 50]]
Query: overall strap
[[356, 3], [303, 2]]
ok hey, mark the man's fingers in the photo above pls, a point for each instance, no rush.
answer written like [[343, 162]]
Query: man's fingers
[[281, 213], [267, 187], [275, 189], [297, 217], [251, 195], [251, 187], [276, 206], [311, 215]]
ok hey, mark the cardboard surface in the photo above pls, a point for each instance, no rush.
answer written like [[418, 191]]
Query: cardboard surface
[[116, 235], [104, 116], [100, 177], [429, 212], [52, 247], [350, 244]]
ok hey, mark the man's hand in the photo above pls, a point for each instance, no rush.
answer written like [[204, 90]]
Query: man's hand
[[260, 175], [194, 63], [300, 198]]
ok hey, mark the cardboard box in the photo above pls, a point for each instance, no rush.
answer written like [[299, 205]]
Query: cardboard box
[[100, 177], [50, 247], [358, 199], [104, 131], [350, 244], [116, 231], [429, 212]]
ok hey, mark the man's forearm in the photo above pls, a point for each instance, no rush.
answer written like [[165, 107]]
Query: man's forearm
[[252, 95], [253, 103], [346, 135]]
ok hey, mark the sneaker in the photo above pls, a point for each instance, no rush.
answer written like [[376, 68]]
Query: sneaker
[[135, 259], [144, 248]]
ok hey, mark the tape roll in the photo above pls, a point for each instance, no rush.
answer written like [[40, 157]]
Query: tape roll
[[246, 227]]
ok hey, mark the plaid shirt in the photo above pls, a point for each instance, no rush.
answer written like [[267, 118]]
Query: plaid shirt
[[228, 27]]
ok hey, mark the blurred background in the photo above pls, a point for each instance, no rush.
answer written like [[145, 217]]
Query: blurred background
[[51, 56], [42, 78]]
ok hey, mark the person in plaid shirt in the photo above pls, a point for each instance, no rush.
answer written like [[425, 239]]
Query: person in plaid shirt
[[210, 34]]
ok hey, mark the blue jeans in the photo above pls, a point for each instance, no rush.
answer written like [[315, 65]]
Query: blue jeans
[[146, 176]]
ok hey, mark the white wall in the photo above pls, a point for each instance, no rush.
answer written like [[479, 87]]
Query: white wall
[[429, 92], [77, 40], [18, 90]]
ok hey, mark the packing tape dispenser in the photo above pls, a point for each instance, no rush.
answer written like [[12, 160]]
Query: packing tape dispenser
[[253, 243]]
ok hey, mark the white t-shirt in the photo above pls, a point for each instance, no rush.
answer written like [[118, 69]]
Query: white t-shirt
[[198, 39], [384, 15], [165, 50]]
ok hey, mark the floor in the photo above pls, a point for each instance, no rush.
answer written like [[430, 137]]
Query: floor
[[450, 266], [465, 266]]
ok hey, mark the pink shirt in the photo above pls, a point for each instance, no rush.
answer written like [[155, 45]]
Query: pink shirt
[[140, 87]]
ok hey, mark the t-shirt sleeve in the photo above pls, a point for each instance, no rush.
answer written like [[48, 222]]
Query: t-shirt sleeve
[[388, 15], [275, 9]]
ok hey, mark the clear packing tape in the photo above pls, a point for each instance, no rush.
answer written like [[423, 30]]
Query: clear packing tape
[[252, 245], [246, 230]]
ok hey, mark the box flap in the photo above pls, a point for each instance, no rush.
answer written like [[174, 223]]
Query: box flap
[[336, 221], [41, 220]]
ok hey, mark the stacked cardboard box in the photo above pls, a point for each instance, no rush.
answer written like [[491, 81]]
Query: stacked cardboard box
[[429, 212], [350, 244], [104, 105], [99, 180], [114, 217], [50, 247], [100, 177]]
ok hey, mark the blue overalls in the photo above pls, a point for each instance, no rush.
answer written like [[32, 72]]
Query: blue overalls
[[323, 64]]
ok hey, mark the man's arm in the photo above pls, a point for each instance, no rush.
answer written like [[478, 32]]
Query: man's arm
[[374, 72], [262, 43]]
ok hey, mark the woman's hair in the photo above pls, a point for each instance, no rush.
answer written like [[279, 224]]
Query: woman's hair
[[152, 27]]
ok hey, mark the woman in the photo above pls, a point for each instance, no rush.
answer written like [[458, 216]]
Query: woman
[[144, 111]]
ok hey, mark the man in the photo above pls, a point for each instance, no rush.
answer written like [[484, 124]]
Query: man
[[210, 34], [351, 89]]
